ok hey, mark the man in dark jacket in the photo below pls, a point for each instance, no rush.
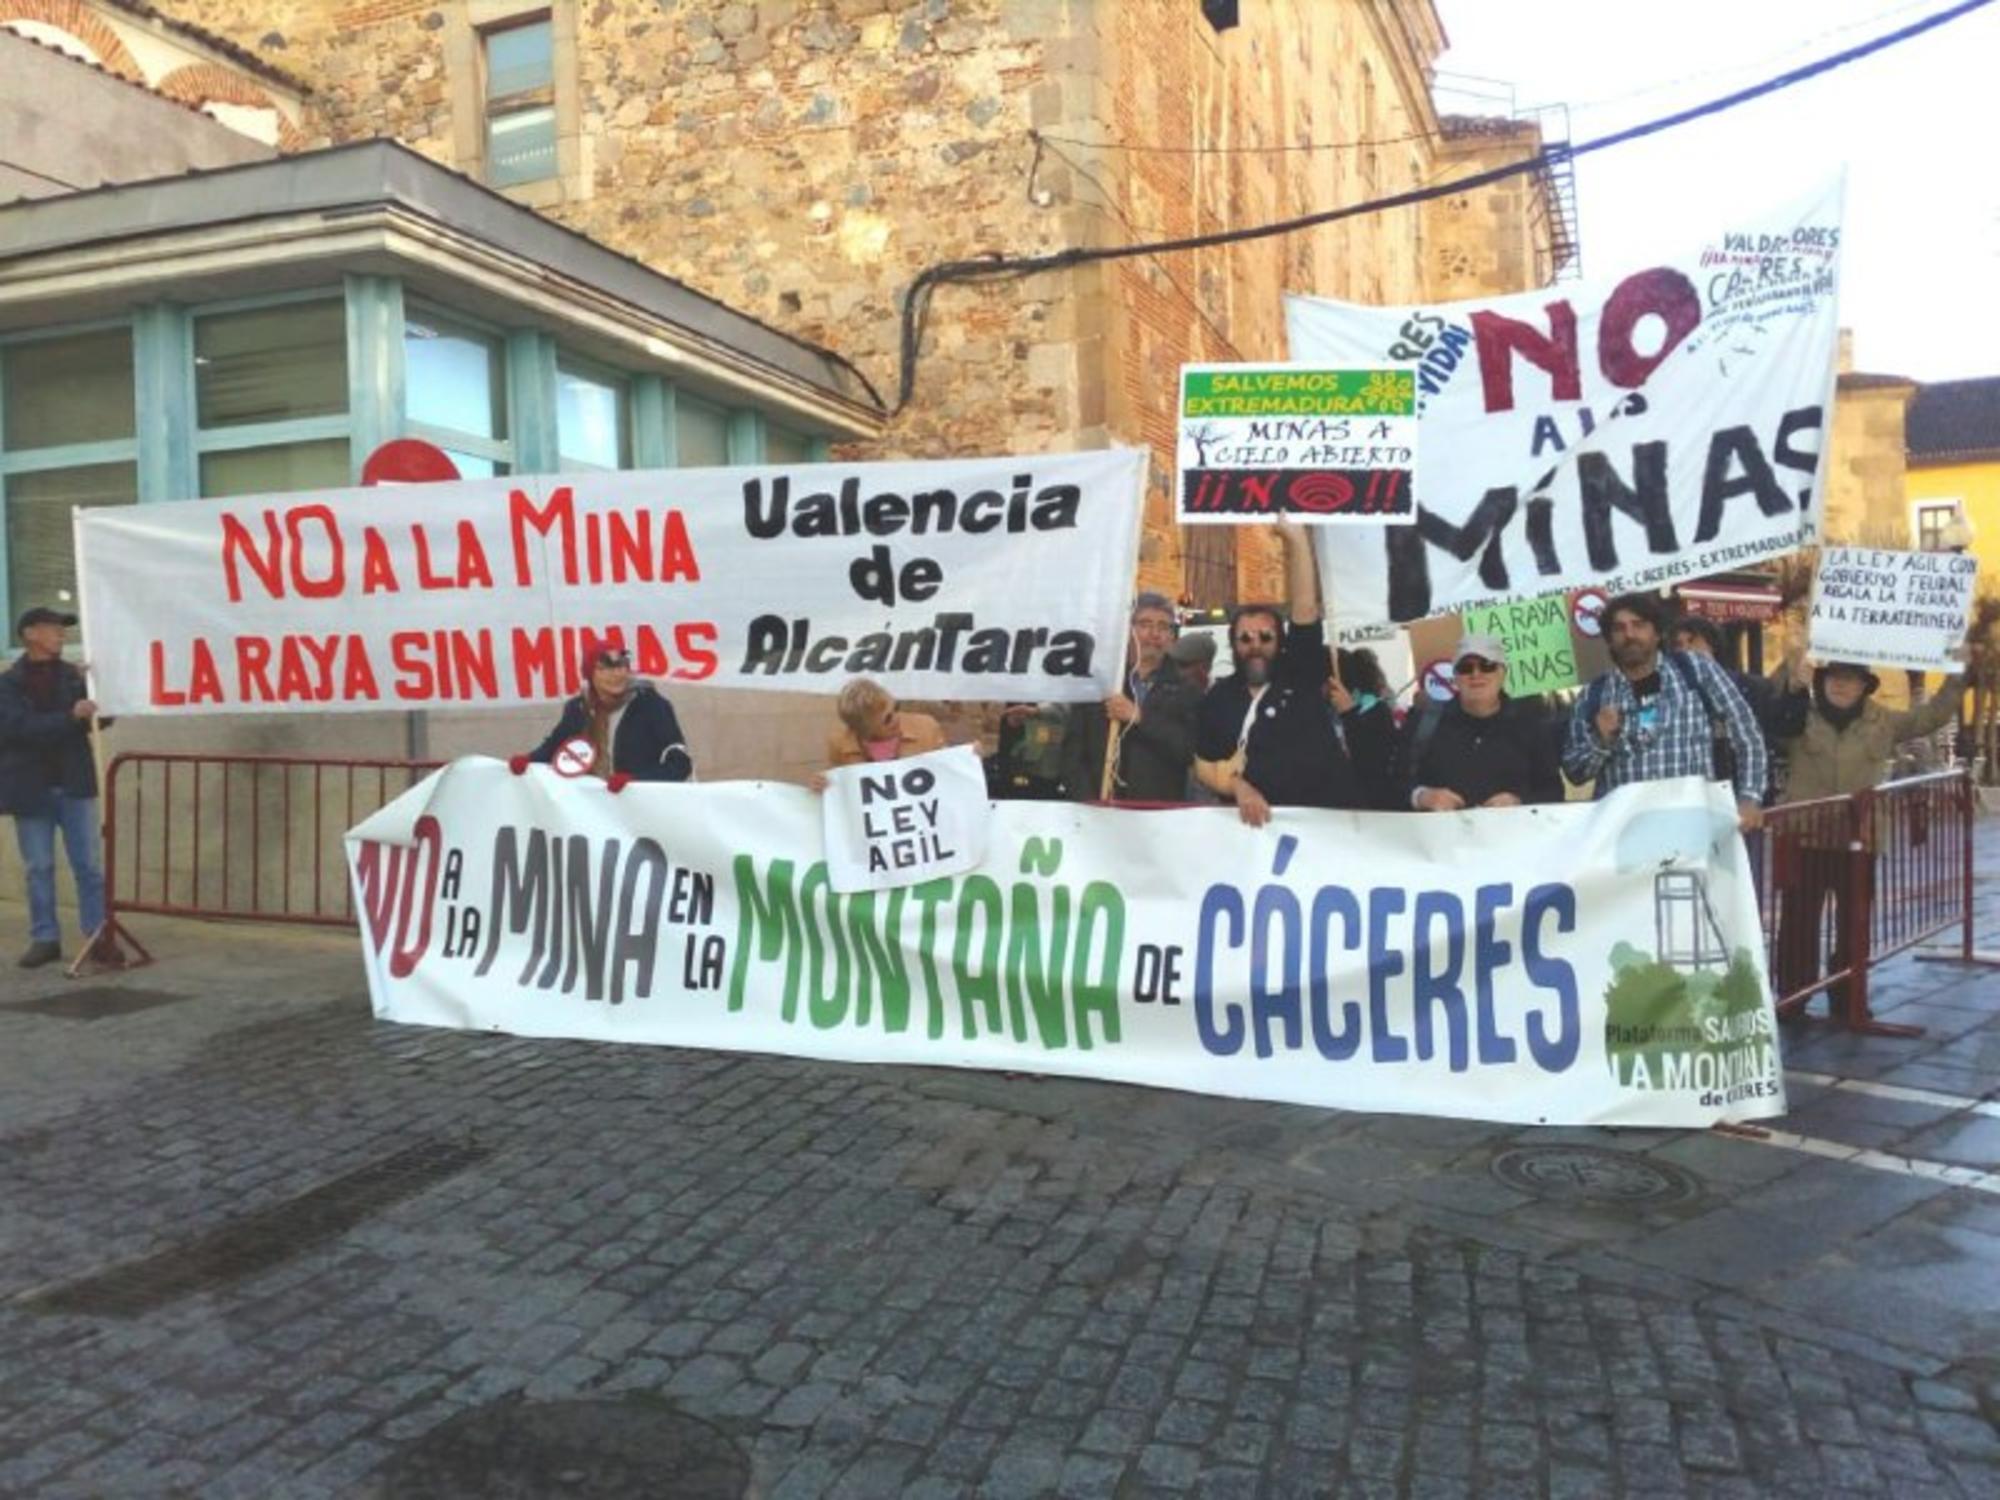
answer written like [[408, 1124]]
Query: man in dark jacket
[[1265, 738], [631, 729], [1482, 749], [48, 781], [1155, 746]]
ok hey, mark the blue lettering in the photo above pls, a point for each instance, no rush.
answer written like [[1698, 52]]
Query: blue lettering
[[1384, 963], [1268, 1002], [1490, 953], [1332, 1047], [1551, 974], [1217, 901], [1432, 986]]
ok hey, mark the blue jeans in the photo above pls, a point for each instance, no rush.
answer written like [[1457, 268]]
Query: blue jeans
[[77, 817]]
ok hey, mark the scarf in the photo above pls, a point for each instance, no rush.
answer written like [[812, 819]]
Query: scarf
[[599, 730], [1840, 718]]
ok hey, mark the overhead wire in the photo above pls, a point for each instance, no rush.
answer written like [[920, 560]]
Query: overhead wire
[[995, 267]]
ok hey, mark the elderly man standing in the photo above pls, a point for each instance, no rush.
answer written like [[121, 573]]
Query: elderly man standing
[[48, 781], [1481, 749], [1155, 743], [1658, 714]]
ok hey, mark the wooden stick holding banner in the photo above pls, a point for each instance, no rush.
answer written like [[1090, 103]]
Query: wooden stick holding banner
[[1114, 729]]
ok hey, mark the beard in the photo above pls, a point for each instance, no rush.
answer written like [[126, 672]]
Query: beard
[[1255, 670], [1630, 653]]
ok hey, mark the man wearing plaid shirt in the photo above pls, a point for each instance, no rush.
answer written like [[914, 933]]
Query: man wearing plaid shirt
[[1659, 715]]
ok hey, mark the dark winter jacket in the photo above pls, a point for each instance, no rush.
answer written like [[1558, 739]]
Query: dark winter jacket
[[1446, 748], [42, 750], [648, 745], [1154, 752]]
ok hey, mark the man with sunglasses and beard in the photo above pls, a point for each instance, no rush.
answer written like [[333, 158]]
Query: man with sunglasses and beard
[[1264, 738], [1482, 749], [632, 730]]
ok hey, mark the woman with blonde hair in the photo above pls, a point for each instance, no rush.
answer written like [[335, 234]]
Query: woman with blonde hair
[[873, 727]]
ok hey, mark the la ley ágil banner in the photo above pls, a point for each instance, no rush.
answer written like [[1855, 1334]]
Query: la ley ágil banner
[[986, 578], [1627, 432], [1607, 970]]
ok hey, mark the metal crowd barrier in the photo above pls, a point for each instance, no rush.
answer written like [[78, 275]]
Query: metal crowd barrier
[[246, 838], [1847, 882]]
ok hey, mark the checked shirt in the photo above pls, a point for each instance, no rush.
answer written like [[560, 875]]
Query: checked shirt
[[1681, 743]]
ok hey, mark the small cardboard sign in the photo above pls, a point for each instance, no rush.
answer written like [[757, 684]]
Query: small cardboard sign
[[1321, 446], [1892, 609], [1540, 656], [901, 822]]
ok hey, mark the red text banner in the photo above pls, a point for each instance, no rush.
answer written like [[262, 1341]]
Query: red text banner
[[987, 578]]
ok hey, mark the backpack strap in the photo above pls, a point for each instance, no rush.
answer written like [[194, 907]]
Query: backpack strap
[[1690, 677]]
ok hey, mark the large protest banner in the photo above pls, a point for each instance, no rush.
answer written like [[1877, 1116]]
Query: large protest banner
[[1586, 963], [1628, 432], [987, 578], [1892, 609]]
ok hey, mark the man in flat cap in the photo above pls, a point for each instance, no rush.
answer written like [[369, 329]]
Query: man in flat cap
[[48, 781]]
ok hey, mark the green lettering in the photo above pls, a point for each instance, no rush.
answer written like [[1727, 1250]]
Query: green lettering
[[1040, 984], [768, 925], [1099, 993], [826, 1004], [978, 896], [878, 958]]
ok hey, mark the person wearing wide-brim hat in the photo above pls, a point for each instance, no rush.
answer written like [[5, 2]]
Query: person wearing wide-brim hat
[[1845, 747], [48, 782]]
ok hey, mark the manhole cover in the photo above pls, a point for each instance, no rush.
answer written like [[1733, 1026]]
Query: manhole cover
[[96, 1002], [633, 1447], [1591, 1174]]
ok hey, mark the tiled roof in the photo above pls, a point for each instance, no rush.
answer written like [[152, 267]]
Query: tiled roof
[[1954, 419], [243, 57]]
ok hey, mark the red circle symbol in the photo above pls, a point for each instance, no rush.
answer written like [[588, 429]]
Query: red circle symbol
[[1436, 678], [573, 758], [1321, 494], [1586, 611], [408, 461]]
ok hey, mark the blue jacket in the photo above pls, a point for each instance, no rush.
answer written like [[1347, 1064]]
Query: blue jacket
[[31, 739], [648, 746]]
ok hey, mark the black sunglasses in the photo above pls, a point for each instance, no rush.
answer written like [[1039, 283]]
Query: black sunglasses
[[1255, 637], [1475, 666]]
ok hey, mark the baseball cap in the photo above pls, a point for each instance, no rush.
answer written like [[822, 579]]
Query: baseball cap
[[611, 656], [1195, 646], [40, 615], [1491, 647]]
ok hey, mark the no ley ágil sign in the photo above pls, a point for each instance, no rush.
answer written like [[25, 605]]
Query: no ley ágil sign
[[901, 822]]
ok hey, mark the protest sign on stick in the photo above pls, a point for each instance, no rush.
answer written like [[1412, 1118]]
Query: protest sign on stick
[[1892, 609], [1540, 656], [1319, 445]]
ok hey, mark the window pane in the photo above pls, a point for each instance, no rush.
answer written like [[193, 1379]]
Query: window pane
[[271, 365], [323, 465], [590, 421], [73, 390], [521, 146], [472, 466], [454, 377], [783, 446], [702, 432], [519, 58], [41, 560]]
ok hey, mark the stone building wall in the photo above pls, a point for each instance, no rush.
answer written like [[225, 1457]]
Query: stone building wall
[[802, 160]]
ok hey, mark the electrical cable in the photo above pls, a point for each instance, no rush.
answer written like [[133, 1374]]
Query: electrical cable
[[997, 267]]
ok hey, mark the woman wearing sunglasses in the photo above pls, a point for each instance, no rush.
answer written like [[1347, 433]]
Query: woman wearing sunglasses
[[1481, 749]]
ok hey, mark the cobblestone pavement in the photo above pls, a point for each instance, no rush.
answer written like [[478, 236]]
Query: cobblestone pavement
[[252, 1243]]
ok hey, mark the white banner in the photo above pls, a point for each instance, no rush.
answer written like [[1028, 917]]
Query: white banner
[[1892, 609], [1629, 432], [987, 578], [902, 822], [1589, 963]]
